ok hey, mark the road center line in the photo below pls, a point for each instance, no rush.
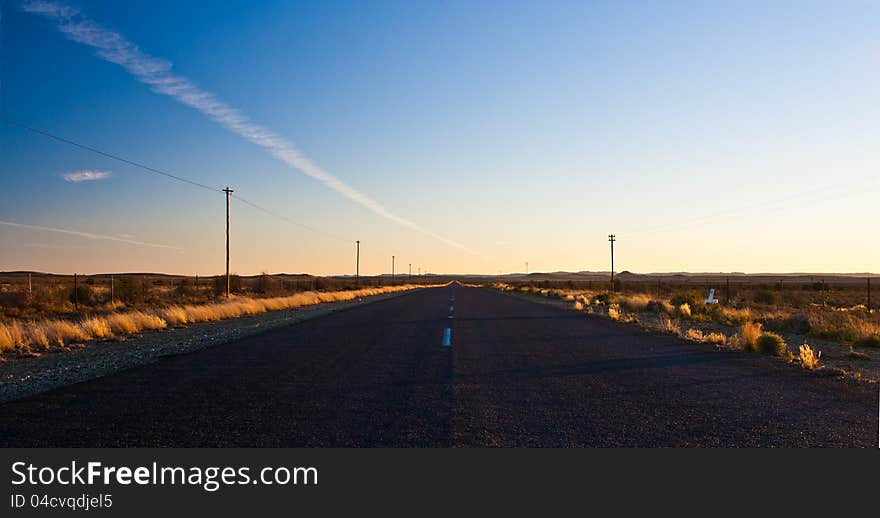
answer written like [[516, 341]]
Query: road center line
[[447, 337]]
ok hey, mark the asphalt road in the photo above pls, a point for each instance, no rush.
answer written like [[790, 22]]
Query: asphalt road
[[516, 373]]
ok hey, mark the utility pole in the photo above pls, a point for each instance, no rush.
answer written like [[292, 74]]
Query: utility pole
[[357, 263], [420, 271], [392, 269], [869, 295], [410, 270], [75, 294], [112, 298], [612, 239], [228, 191]]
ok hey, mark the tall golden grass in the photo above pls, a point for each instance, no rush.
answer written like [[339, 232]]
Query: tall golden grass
[[748, 335], [38, 335], [809, 358]]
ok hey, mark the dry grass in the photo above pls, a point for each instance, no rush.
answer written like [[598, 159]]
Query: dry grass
[[669, 326], [809, 358], [614, 312], [578, 306], [733, 316], [635, 302], [747, 337], [698, 335], [43, 334], [6, 343], [685, 310]]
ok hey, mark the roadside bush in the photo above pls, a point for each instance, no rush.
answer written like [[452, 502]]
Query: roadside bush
[[767, 297], [131, 290], [266, 284], [220, 284], [186, 288], [659, 306], [614, 312], [82, 294], [684, 310], [809, 358], [668, 325], [771, 343], [748, 335], [732, 316], [797, 323], [691, 298], [13, 299], [636, 302]]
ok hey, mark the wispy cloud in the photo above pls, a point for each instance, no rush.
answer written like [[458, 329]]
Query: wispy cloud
[[85, 176], [113, 47], [87, 235]]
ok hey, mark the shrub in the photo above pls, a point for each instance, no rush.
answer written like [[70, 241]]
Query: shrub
[[82, 294], [186, 288], [748, 335], [659, 306], [694, 334], [266, 284], [602, 298], [637, 302], [712, 338], [716, 338], [771, 343], [131, 290], [578, 306], [691, 298], [668, 325], [809, 359], [614, 312], [220, 284], [6, 343], [767, 297], [797, 323], [732, 316], [685, 310]]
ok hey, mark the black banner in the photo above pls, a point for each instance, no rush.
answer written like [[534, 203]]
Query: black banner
[[228, 482]]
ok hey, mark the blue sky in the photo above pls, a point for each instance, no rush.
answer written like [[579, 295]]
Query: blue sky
[[709, 137]]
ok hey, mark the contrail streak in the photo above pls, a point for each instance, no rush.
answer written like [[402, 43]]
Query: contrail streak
[[156, 73], [87, 235]]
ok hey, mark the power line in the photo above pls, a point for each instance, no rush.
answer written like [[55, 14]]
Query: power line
[[166, 174], [109, 155], [285, 218]]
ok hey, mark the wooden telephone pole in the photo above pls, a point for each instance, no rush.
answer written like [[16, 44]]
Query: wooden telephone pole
[[357, 263], [228, 191], [612, 239], [392, 269]]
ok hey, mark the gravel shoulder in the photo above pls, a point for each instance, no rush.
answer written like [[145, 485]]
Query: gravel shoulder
[[26, 376], [835, 356]]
